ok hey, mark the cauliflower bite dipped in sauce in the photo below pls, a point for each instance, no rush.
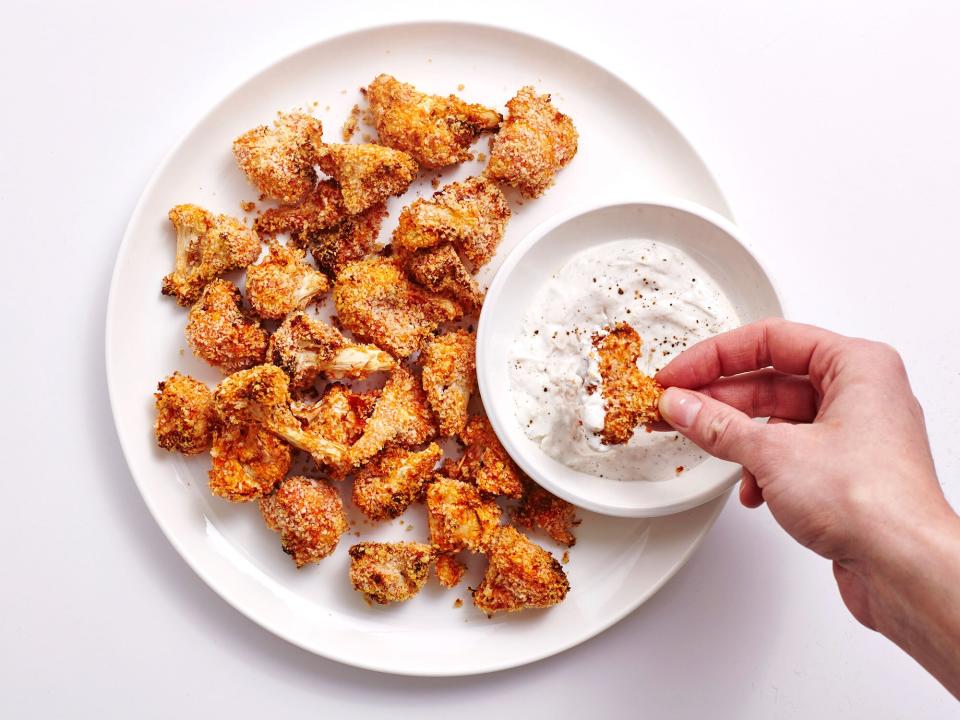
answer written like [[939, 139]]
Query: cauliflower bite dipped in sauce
[[377, 303], [247, 462], [283, 282], [542, 509], [520, 575], [436, 130], [390, 483], [389, 572], [306, 348], [309, 516], [368, 174], [459, 516], [450, 571], [219, 332], [322, 208], [486, 463], [472, 215], [630, 398], [440, 270], [186, 415], [279, 160], [535, 142], [449, 378], [207, 246], [353, 239]]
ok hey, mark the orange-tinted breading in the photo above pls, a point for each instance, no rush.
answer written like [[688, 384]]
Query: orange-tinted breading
[[389, 572], [535, 142], [459, 517], [486, 462], [309, 516], [368, 174], [450, 377], [436, 130], [322, 208], [279, 160], [340, 414], [440, 270], [630, 398], [207, 246], [306, 347], [450, 571], [221, 333], [391, 482], [247, 462], [471, 214], [283, 282], [352, 239], [542, 509], [186, 415], [520, 574], [378, 303]]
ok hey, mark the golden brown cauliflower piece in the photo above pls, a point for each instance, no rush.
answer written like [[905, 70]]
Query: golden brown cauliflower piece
[[368, 174], [283, 282], [389, 572], [221, 333], [440, 270], [186, 415], [436, 130], [450, 377], [450, 571], [535, 142], [352, 239], [520, 575], [322, 208], [248, 462], [471, 214], [542, 509], [459, 516], [207, 246], [279, 160], [305, 348], [309, 516], [389, 484], [340, 414], [377, 302], [487, 463]]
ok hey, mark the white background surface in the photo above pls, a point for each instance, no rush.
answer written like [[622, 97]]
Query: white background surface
[[832, 130]]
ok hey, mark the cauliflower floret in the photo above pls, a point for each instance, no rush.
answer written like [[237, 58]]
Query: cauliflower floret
[[542, 509], [389, 572], [219, 332], [279, 160], [368, 174], [450, 377], [340, 414], [186, 415], [309, 516], [323, 208], [353, 239], [387, 485], [459, 517], [248, 462], [450, 571], [283, 282], [440, 270], [486, 463]]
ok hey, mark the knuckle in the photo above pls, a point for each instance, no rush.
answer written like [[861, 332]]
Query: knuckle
[[719, 431]]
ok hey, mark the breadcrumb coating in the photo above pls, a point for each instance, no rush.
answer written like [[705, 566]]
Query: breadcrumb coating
[[207, 246], [378, 303], [283, 282], [459, 517], [247, 462], [440, 270], [279, 160], [322, 208], [221, 333], [542, 509], [306, 348], [390, 483], [450, 378], [535, 142], [389, 572], [340, 414], [186, 415], [309, 516], [450, 571], [520, 575], [352, 239], [486, 462], [436, 130], [630, 398], [471, 214], [368, 174]]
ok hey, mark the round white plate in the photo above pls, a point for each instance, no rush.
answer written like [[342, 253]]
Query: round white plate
[[617, 563]]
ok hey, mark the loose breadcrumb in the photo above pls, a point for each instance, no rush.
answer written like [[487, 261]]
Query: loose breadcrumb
[[309, 516], [186, 415], [248, 205], [350, 124]]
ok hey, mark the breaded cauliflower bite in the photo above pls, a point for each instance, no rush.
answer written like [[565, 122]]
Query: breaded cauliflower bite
[[535, 142], [322, 208], [436, 130], [542, 509], [306, 348], [283, 282], [353, 239], [378, 303], [487, 463], [389, 572], [471, 214], [520, 575], [368, 174], [450, 571], [309, 516], [221, 333], [450, 378], [390, 483], [186, 415], [440, 270], [247, 462], [630, 398], [207, 246], [279, 160], [459, 517], [340, 414]]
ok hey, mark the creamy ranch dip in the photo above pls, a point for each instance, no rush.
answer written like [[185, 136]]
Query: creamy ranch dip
[[668, 299]]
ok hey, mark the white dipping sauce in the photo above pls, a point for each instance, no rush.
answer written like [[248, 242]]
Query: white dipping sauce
[[668, 299]]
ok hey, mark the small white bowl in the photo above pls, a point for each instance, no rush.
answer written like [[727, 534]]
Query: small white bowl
[[708, 238]]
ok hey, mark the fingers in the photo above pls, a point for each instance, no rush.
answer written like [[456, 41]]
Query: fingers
[[750, 494], [719, 429], [767, 393]]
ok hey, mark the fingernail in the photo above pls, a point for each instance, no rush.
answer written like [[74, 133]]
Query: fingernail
[[679, 407]]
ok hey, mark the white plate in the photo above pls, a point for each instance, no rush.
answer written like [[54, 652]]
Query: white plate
[[617, 563]]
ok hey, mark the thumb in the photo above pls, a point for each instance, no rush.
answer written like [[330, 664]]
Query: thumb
[[719, 429]]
